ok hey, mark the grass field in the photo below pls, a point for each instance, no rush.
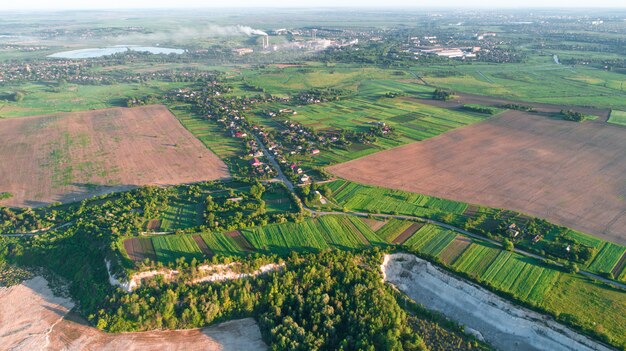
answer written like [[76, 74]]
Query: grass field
[[618, 117], [169, 248], [430, 239], [310, 235], [537, 80], [392, 229], [46, 98], [359, 197], [607, 258], [343, 232]]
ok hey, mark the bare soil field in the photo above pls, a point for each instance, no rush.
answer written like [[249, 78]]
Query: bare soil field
[[71, 156], [32, 317], [573, 174], [407, 233]]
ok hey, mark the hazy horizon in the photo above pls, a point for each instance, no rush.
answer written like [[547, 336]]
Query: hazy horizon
[[45, 5]]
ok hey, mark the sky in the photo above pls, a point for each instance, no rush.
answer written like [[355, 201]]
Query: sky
[[125, 4]]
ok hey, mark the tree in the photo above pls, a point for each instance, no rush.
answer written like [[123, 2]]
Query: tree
[[508, 245]]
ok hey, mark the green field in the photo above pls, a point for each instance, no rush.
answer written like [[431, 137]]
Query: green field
[[46, 98], [181, 214], [208, 132], [607, 258], [538, 80], [392, 229], [310, 235], [430, 239], [359, 197], [343, 232], [618, 117], [169, 248]]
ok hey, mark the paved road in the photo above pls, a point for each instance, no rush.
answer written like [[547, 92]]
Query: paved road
[[275, 164]]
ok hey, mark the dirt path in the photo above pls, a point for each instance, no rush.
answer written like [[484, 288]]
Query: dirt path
[[501, 324], [33, 318]]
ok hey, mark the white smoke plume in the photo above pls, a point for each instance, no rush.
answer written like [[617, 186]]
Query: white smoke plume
[[187, 33]]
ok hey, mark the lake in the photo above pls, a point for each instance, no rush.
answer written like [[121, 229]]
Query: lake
[[99, 52]]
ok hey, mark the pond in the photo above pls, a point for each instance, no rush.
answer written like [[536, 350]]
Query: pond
[[99, 52]]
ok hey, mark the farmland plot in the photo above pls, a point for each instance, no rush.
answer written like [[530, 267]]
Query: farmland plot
[[509, 162], [72, 156]]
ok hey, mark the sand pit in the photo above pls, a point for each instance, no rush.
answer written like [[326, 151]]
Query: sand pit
[[500, 323], [573, 174], [71, 156], [33, 318]]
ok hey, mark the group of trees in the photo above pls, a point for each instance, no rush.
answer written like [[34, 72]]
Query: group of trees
[[443, 94], [570, 115], [327, 301]]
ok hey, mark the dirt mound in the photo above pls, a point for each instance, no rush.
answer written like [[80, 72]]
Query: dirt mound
[[71, 156]]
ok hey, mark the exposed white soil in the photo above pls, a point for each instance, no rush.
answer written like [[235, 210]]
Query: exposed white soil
[[28, 312], [502, 324], [32, 317], [208, 273]]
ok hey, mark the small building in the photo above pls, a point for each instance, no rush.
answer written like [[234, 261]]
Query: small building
[[315, 151], [305, 178], [255, 162]]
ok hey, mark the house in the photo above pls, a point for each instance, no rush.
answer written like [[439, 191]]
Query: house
[[305, 178], [315, 151], [240, 134], [255, 162], [512, 230]]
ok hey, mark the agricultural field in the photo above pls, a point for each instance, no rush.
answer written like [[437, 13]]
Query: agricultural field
[[513, 161], [358, 197], [312, 235], [607, 258], [344, 232], [454, 250], [209, 133], [539, 80], [278, 201], [430, 239], [42, 98], [392, 229], [72, 156], [618, 117]]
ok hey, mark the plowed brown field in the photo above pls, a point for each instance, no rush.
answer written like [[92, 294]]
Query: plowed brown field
[[573, 174], [71, 156]]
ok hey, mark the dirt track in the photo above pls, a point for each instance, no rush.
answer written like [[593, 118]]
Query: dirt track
[[33, 318], [573, 174], [71, 156]]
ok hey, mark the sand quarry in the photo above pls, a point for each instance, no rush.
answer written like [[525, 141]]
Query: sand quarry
[[72, 156], [500, 323], [33, 318], [573, 174]]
